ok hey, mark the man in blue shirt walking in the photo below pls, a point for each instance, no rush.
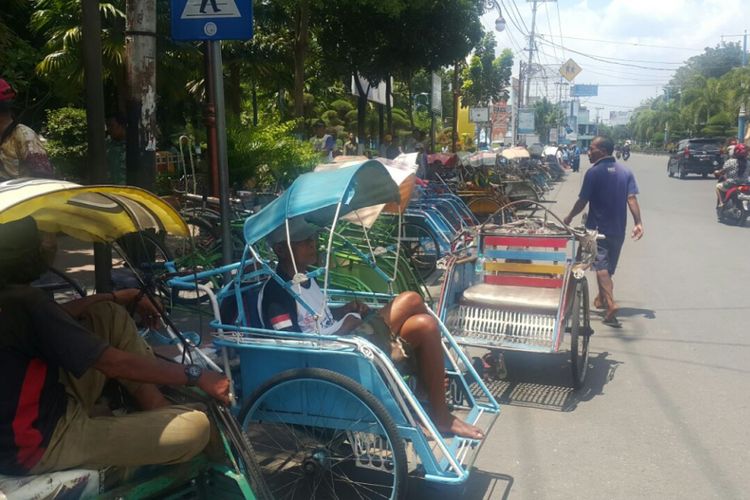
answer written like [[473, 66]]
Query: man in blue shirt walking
[[608, 188]]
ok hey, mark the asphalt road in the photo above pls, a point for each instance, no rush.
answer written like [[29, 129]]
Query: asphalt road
[[665, 410]]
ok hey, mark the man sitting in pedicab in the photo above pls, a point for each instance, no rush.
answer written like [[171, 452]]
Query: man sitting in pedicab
[[55, 360], [405, 316]]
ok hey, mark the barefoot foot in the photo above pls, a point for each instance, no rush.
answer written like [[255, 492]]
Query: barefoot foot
[[454, 425]]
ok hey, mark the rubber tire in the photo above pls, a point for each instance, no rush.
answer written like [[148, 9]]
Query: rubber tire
[[428, 267], [376, 407], [482, 217], [682, 172], [669, 170], [580, 334]]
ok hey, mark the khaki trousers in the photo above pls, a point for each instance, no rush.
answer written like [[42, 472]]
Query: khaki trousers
[[165, 436]]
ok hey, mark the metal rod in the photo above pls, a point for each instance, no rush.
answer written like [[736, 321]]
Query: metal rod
[[217, 76]]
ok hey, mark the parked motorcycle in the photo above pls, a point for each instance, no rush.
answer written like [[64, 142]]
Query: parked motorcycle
[[735, 207]]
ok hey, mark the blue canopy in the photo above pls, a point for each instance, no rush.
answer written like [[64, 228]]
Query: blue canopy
[[313, 197]]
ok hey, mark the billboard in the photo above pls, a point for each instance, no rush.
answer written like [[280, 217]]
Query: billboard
[[374, 94], [437, 94], [479, 115], [584, 90], [526, 121]]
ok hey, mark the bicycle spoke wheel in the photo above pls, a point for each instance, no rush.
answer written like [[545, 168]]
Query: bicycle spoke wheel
[[580, 334], [421, 247], [318, 434]]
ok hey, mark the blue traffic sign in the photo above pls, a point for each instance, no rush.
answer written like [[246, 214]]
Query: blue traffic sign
[[212, 19]]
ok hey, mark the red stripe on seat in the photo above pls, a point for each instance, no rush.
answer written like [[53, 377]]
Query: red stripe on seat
[[27, 438], [523, 281], [520, 241]]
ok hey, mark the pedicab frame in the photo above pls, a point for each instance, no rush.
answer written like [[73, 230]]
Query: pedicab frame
[[305, 363]]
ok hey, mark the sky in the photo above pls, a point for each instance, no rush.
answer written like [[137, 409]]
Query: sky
[[652, 38]]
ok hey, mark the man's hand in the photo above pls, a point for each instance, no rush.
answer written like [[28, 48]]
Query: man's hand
[[358, 307], [215, 385], [637, 233], [567, 220], [149, 313]]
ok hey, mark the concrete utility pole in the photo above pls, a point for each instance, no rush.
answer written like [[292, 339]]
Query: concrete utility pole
[[140, 50], [91, 25], [532, 46]]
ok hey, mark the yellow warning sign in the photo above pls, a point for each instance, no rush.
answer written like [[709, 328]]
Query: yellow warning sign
[[570, 70]]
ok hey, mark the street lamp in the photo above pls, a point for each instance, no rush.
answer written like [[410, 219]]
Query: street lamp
[[500, 21]]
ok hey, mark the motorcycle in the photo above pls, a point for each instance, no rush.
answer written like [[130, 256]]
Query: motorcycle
[[735, 207], [626, 154]]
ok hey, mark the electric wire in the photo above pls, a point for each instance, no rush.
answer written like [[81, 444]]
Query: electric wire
[[559, 26], [614, 59], [600, 59], [635, 44], [549, 23]]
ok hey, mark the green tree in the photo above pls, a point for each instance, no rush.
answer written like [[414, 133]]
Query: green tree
[[486, 78], [547, 115]]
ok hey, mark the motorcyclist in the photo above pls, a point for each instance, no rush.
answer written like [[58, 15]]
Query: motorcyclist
[[734, 170], [626, 150]]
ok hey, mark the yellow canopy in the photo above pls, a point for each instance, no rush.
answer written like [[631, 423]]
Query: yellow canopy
[[88, 213]]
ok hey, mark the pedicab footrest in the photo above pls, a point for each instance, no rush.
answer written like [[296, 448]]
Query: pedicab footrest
[[494, 327]]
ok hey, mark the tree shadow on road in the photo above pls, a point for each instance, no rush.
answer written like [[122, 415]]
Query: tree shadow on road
[[545, 382]]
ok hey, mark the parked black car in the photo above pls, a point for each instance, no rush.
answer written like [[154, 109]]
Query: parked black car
[[695, 156]]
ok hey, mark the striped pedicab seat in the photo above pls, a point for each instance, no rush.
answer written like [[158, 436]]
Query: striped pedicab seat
[[518, 301]]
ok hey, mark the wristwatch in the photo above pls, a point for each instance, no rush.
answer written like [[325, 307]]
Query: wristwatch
[[193, 373]]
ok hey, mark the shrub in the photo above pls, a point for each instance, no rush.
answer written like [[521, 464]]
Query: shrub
[[67, 144], [267, 157]]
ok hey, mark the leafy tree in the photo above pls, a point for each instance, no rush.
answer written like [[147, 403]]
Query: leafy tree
[[547, 116], [486, 78]]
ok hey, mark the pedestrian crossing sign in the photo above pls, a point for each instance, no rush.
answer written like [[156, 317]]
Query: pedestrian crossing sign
[[570, 70], [212, 19]]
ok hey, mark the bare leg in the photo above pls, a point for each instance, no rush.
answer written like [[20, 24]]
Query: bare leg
[[606, 290], [421, 331]]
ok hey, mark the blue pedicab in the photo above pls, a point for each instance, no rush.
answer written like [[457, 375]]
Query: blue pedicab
[[330, 416]]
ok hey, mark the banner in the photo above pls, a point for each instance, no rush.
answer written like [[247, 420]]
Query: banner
[[584, 91], [526, 121]]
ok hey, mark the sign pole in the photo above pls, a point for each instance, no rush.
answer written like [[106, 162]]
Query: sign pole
[[216, 74]]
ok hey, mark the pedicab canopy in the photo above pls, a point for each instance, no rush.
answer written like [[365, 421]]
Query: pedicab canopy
[[314, 197], [88, 213], [515, 153]]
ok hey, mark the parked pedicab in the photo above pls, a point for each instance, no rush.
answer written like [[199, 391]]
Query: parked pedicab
[[521, 287], [103, 214], [330, 416]]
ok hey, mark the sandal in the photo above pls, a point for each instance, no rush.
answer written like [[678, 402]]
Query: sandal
[[612, 322]]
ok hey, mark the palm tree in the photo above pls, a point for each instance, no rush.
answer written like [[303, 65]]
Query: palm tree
[[59, 21], [704, 98]]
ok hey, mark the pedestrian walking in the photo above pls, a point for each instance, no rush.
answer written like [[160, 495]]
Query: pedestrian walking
[[608, 188]]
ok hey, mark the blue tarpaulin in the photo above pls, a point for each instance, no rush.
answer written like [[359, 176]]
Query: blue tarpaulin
[[314, 197]]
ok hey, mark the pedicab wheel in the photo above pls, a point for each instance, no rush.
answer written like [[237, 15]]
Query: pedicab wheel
[[421, 246], [483, 207], [319, 434], [580, 334]]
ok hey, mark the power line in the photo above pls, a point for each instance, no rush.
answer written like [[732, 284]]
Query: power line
[[680, 63], [621, 74], [512, 18], [559, 26], [519, 15], [636, 44], [600, 59], [549, 24]]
